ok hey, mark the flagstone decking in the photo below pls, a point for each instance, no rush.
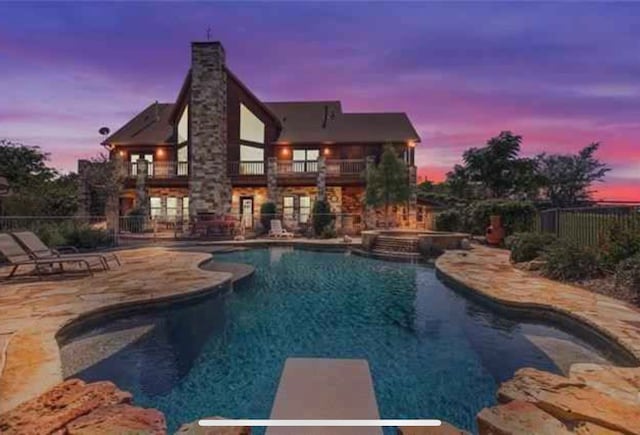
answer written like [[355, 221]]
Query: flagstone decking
[[31, 313], [592, 398]]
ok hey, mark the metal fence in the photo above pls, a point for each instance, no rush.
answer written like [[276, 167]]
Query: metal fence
[[88, 232], [589, 225]]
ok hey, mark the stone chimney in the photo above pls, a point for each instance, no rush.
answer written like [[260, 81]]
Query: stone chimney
[[209, 188]]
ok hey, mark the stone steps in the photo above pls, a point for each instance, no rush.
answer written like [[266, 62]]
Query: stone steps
[[396, 244]]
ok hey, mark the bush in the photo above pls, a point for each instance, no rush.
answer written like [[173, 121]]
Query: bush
[[449, 220], [528, 246], [322, 217], [517, 216], [628, 275], [267, 212], [619, 244], [136, 219], [328, 232], [568, 261], [85, 237]]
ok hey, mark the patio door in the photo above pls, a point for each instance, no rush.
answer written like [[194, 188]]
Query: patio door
[[246, 211]]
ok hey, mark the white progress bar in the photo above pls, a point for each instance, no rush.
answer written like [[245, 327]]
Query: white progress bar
[[316, 423]]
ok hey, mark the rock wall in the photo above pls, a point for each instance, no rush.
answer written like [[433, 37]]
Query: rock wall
[[75, 407], [210, 187]]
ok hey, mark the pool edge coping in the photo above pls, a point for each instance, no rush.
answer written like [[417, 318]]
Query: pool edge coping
[[566, 316]]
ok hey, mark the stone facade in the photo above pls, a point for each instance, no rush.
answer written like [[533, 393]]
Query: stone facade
[[209, 187], [84, 197]]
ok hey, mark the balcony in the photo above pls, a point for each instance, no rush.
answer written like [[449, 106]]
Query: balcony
[[297, 168], [235, 169], [350, 168], [158, 170]]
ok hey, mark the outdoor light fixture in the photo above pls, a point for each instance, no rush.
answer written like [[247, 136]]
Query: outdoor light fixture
[[160, 152], [327, 151], [411, 144], [285, 151]]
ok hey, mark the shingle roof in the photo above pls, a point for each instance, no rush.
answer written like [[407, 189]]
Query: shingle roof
[[304, 122], [151, 126]]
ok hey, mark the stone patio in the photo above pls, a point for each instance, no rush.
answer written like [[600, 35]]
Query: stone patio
[[34, 311], [592, 399]]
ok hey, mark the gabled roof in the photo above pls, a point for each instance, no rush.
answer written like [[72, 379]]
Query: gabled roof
[[149, 127], [324, 121], [184, 92]]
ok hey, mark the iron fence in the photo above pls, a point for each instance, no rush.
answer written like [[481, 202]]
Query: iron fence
[[87, 232], [589, 225]]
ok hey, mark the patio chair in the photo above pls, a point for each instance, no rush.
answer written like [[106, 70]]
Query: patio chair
[[17, 256], [37, 249], [277, 230]]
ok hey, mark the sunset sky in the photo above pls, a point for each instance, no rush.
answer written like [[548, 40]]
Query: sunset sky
[[562, 75]]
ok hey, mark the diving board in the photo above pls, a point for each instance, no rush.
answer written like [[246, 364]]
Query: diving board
[[319, 389]]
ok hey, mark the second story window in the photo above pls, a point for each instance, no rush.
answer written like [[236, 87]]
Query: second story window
[[251, 160], [134, 163], [306, 160]]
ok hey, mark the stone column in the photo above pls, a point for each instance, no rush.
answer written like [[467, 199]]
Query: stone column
[[413, 198], [272, 180], [209, 187], [84, 194], [370, 211], [322, 179], [141, 185]]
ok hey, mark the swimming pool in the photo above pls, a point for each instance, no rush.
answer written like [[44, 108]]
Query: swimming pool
[[432, 352]]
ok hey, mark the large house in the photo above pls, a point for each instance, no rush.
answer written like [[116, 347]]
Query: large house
[[218, 149]]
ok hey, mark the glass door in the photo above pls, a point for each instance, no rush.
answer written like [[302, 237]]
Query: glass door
[[246, 211]]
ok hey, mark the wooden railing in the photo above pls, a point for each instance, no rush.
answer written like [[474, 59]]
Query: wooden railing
[[336, 168], [297, 167], [246, 168], [159, 169]]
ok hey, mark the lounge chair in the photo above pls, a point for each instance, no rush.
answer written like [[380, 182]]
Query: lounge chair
[[17, 256], [277, 230], [39, 250]]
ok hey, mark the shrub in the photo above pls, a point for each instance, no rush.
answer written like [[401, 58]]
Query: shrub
[[328, 232], [52, 234], [517, 216], [528, 246], [267, 212], [136, 219], [628, 275], [322, 217], [568, 261], [85, 237], [449, 220], [620, 243]]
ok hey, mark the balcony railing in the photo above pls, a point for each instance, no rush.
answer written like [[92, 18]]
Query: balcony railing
[[335, 168], [246, 168], [159, 169], [297, 167]]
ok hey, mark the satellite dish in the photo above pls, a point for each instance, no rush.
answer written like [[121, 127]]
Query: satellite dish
[[104, 131]]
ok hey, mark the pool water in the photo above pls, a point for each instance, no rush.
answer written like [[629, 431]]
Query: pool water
[[432, 353]]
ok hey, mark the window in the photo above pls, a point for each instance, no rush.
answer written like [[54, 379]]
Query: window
[[251, 128], [251, 160], [183, 160], [155, 207], [287, 203], [134, 160], [172, 208], [185, 208], [183, 126], [305, 160], [305, 209]]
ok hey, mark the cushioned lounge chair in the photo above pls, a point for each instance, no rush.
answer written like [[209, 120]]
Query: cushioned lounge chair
[[39, 250], [277, 230], [17, 256]]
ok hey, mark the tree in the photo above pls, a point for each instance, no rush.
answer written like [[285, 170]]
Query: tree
[[36, 188], [459, 182], [104, 179], [388, 182], [567, 178]]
